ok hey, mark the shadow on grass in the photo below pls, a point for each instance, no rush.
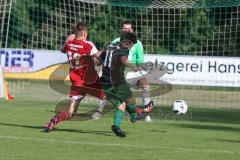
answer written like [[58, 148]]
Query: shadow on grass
[[158, 131], [208, 127], [229, 116], [103, 133], [228, 140], [226, 116]]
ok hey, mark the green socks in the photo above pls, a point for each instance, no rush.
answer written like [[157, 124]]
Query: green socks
[[132, 111], [118, 116], [131, 108]]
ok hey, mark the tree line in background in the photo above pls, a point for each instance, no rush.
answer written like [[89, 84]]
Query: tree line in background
[[187, 31]]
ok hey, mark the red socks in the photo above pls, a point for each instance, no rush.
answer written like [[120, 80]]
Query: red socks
[[63, 116]]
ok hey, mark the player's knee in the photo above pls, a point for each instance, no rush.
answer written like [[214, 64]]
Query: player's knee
[[76, 98], [145, 87], [122, 107], [74, 102], [143, 83]]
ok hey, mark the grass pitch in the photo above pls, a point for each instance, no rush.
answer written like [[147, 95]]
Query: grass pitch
[[207, 134]]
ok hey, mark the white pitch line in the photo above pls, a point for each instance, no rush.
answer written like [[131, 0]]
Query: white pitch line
[[121, 145]]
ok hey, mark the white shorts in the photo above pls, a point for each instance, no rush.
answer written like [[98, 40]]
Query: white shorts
[[133, 77]]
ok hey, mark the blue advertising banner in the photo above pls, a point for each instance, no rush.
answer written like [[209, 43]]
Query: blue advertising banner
[[28, 60]]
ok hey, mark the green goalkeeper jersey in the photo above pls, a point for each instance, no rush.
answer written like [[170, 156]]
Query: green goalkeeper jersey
[[136, 54]]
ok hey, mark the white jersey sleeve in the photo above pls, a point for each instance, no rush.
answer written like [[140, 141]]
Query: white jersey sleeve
[[94, 50]]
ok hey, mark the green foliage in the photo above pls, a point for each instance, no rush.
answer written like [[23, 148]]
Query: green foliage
[[103, 28], [130, 3], [189, 31]]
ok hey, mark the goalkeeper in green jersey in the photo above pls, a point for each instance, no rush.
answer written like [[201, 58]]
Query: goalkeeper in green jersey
[[114, 60], [136, 56]]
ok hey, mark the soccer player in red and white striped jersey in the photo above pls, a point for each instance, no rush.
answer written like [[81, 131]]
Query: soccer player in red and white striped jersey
[[83, 76]]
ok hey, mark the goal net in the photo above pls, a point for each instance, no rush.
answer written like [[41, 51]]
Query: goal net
[[197, 28]]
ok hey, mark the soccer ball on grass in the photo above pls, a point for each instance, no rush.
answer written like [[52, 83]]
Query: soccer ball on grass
[[180, 107]]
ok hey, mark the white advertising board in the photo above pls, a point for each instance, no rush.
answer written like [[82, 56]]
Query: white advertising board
[[182, 70], [199, 70]]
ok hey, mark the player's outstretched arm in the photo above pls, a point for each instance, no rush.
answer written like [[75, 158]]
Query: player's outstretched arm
[[127, 63], [98, 54], [70, 37], [97, 61], [97, 58]]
